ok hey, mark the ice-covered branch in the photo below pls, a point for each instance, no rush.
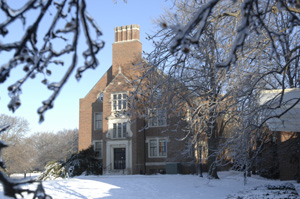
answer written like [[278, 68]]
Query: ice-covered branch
[[36, 53], [93, 46], [251, 16]]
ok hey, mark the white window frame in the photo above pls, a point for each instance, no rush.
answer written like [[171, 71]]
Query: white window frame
[[100, 151], [119, 130], [157, 153], [157, 117], [98, 126], [119, 101]]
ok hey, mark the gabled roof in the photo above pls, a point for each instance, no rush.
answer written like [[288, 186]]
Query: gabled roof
[[283, 109], [119, 74]]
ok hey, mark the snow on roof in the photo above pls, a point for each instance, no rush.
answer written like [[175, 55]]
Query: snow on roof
[[283, 109]]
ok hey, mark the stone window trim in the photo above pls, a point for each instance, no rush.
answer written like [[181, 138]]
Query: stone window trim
[[119, 101], [120, 130], [122, 119], [157, 147]]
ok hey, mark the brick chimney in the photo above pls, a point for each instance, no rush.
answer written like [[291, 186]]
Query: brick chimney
[[127, 48]]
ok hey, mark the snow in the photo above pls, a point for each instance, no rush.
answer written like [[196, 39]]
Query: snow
[[230, 185], [28, 175]]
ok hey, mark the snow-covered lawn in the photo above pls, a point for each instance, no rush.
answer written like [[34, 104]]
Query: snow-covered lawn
[[231, 185]]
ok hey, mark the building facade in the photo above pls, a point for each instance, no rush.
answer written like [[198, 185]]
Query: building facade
[[286, 143], [122, 143]]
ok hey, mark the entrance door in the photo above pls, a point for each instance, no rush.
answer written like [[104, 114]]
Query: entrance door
[[119, 158]]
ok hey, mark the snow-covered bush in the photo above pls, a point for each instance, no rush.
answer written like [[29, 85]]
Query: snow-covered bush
[[52, 171], [83, 162]]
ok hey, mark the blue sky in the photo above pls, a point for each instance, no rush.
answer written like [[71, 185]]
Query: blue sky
[[65, 114]]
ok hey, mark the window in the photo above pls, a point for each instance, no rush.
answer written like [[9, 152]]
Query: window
[[119, 130], [162, 147], [119, 101], [98, 149], [157, 147], [101, 97], [153, 148], [157, 117], [98, 120]]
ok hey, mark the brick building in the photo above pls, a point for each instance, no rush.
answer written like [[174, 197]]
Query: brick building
[[121, 144], [286, 145]]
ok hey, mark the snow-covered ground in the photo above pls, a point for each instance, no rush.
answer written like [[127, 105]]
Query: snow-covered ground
[[231, 185]]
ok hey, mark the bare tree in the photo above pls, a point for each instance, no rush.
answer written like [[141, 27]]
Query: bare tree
[[67, 142], [13, 187], [263, 34], [17, 158], [256, 42], [53, 146], [187, 82]]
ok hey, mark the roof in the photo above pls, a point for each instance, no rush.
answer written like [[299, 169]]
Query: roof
[[283, 109]]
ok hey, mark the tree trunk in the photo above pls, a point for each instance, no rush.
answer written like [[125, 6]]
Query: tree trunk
[[212, 149], [216, 131]]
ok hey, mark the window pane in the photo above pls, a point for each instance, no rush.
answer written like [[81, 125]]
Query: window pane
[[98, 149], [153, 148], [157, 117], [101, 97], [150, 122], [97, 146], [124, 104], [162, 147], [119, 130], [119, 105], [97, 124], [124, 129], [161, 117], [98, 120], [100, 152], [115, 105], [161, 122], [153, 118], [161, 113], [119, 101], [154, 121], [115, 131]]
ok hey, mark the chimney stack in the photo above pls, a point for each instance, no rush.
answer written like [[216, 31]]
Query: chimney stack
[[127, 49], [127, 33]]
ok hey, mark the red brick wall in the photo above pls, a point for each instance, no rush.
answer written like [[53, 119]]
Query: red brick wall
[[127, 50], [86, 113]]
